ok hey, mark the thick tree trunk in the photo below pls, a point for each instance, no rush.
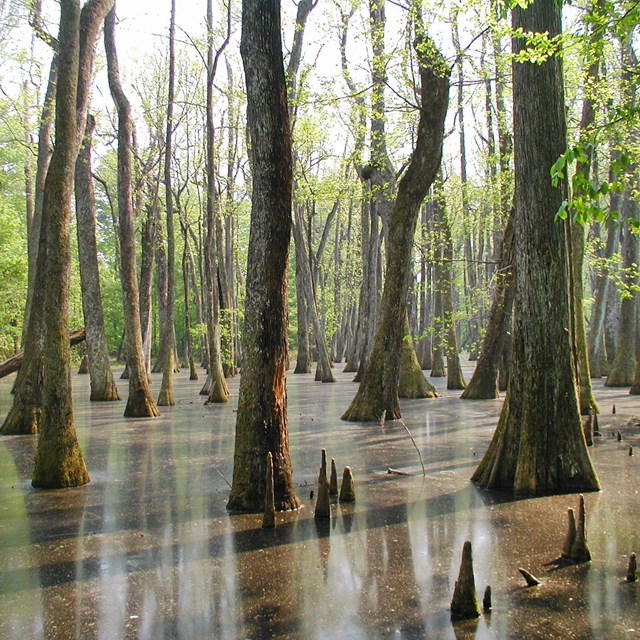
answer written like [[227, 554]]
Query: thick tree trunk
[[377, 396], [58, 460], [103, 386], [140, 403], [261, 423], [539, 443]]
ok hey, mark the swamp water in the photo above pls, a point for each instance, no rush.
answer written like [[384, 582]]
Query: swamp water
[[147, 550]]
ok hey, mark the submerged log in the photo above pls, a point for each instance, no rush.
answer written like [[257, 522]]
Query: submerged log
[[464, 603], [12, 364]]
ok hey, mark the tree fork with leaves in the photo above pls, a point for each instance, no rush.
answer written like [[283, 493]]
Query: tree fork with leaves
[[140, 403], [377, 394]]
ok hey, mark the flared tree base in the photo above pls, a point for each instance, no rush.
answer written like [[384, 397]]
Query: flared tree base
[[247, 502], [60, 465], [412, 382], [22, 420], [482, 386], [140, 405], [106, 392]]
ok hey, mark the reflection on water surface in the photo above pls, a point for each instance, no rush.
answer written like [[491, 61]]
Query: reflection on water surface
[[147, 550]]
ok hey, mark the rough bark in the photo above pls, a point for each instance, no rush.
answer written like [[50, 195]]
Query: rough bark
[[261, 423], [58, 459], [103, 386], [539, 445], [378, 392], [140, 403]]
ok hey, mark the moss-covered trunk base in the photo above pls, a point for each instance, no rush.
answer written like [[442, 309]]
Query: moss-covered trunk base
[[483, 385], [22, 420], [106, 391], [412, 383], [623, 370], [140, 405], [61, 466]]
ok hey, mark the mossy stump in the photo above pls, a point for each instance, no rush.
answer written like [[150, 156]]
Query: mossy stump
[[464, 604], [323, 507], [347, 489], [333, 482], [575, 547]]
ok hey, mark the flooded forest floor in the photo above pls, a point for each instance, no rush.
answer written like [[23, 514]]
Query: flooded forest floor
[[147, 550]]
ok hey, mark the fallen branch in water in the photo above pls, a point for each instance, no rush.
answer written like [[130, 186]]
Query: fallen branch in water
[[15, 362]]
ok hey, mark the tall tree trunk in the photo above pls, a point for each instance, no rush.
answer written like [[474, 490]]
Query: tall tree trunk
[[588, 403], [597, 352], [624, 364], [58, 460], [26, 410], [261, 423], [166, 397], [303, 357], [377, 395], [455, 380], [539, 444], [103, 386], [140, 403], [215, 383], [147, 253]]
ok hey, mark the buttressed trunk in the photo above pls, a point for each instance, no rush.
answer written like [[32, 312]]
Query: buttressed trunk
[[539, 444]]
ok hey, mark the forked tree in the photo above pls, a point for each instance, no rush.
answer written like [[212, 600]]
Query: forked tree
[[539, 444], [377, 395], [140, 403], [261, 423]]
